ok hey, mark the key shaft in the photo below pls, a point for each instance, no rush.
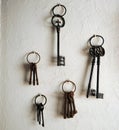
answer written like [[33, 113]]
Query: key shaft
[[98, 70]]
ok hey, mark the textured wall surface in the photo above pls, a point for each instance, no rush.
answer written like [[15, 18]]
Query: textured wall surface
[[26, 27]]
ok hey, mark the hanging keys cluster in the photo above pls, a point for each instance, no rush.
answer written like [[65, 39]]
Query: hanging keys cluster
[[33, 73], [69, 104], [96, 51], [33, 69], [40, 108], [58, 22]]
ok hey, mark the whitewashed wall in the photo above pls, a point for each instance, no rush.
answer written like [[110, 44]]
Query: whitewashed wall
[[26, 27]]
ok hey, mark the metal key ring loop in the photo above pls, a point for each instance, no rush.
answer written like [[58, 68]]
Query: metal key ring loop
[[66, 81], [94, 37], [62, 6], [54, 22], [40, 95], [30, 53]]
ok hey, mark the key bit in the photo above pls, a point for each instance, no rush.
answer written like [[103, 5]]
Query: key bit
[[100, 95], [93, 92], [61, 61]]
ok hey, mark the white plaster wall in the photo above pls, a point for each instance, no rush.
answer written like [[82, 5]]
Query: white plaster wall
[[26, 27]]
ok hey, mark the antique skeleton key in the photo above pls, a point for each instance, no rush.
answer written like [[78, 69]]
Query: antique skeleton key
[[100, 52], [73, 103], [40, 108], [96, 51], [69, 105], [33, 69], [65, 105], [91, 73], [58, 22]]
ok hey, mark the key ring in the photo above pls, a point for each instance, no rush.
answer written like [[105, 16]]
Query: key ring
[[68, 81], [30, 53], [94, 37], [59, 5], [40, 95], [59, 22]]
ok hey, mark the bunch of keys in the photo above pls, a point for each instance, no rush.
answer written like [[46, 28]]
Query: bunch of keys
[[33, 68], [58, 22], [69, 104], [40, 108], [96, 51]]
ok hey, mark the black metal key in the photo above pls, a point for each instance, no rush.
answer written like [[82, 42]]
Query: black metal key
[[58, 22], [90, 79], [31, 70], [60, 59], [38, 113], [99, 52], [34, 73], [40, 108]]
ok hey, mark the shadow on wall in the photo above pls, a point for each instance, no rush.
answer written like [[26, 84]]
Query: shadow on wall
[[53, 57], [85, 51], [33, 112], [47, 21], [60, 101], [52, 30], [26, 69]]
